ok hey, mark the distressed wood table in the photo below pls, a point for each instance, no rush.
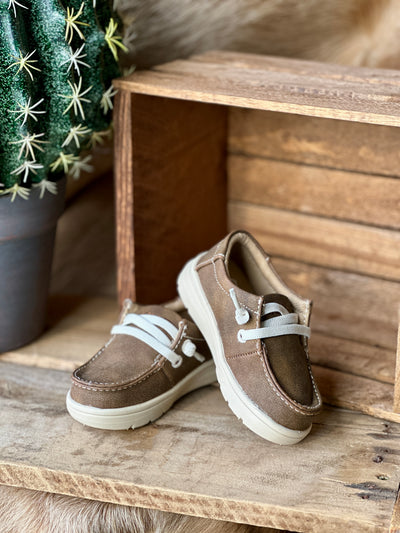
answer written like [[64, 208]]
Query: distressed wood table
[[198, 459]]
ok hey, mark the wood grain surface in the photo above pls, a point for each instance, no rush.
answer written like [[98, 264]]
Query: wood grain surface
[[369, 199], [176, 201], [335, 144], [395, 523], [195, 460], [352, 357], [321, 241], [123, 167], [357, 393], [276, 84], [396, 401], [198, 459], [346, 305]]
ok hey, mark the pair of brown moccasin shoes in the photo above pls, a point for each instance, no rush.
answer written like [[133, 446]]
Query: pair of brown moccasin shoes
[[236, 321]]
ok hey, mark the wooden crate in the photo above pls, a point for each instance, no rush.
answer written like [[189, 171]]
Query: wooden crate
[[306, 157]]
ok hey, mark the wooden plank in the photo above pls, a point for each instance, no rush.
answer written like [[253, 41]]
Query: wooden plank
[[123, 168], [337, 144], [320, 241], [395, 523], [357, 393], [195, 460], [49, 512], [178, 181], [276, 84], [77, 328], [346, 305], [353, 196], [396, 400], [352, 357]]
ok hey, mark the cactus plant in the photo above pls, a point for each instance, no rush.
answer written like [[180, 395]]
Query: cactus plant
[[57, 62]]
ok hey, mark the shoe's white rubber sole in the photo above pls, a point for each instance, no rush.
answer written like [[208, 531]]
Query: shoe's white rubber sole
[[135, 416], [194, 298]]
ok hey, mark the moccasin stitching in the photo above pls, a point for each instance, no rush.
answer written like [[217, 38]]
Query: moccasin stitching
[[315, 388], [118, 388], [292, 404], [301, 409], [316, 391], [90, 382], [238, 355], [94, 357]]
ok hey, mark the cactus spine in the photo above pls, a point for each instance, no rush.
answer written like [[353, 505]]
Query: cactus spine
[[57, 62]]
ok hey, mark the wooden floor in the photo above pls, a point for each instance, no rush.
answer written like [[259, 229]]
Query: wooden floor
[[198, 459]]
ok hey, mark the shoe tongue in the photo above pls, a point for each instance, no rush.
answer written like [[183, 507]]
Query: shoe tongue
[[164, 312], [279, 299], [172, 316], [287, 357]]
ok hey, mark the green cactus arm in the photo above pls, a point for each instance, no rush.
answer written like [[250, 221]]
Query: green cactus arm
[[48, 27], [57, 66], [98, 54], [14, 96]]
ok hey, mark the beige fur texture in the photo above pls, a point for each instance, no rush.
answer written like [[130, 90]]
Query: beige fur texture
[[28, 511], [352, 32]]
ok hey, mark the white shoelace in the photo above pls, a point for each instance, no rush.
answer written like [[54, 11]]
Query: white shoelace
[[149, 329], [284, 324]]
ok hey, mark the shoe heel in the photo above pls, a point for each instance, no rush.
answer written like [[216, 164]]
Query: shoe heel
[[186, 285]]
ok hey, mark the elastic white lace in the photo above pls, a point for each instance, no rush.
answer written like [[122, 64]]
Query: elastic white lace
[[285, 324], [147, 328], [241, 314]]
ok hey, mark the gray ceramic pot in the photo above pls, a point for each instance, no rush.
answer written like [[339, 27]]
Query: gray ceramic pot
[[27, 231]]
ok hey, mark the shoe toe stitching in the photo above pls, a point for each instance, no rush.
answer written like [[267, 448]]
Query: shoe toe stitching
[[107, 387], [305, 410]]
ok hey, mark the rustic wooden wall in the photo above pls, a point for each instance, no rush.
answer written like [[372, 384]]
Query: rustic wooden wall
[[323, 198]]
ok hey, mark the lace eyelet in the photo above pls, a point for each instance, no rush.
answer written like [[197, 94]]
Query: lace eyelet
[[240, 336], [178, 361]]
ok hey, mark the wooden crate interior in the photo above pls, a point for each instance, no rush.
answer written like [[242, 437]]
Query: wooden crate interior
[[323, 196], [312, 163], [176, 206]]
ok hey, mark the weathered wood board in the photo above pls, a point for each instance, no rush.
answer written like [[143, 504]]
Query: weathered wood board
[[315, 190], [363, 148], [321, 241], [276, 84], [195, 460], [170, 190]]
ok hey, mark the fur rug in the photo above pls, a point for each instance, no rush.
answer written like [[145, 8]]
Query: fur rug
[[352, 32], [28, 511]]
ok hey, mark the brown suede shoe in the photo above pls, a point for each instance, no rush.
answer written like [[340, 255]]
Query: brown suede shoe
[[257, 331], [156, 355]]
